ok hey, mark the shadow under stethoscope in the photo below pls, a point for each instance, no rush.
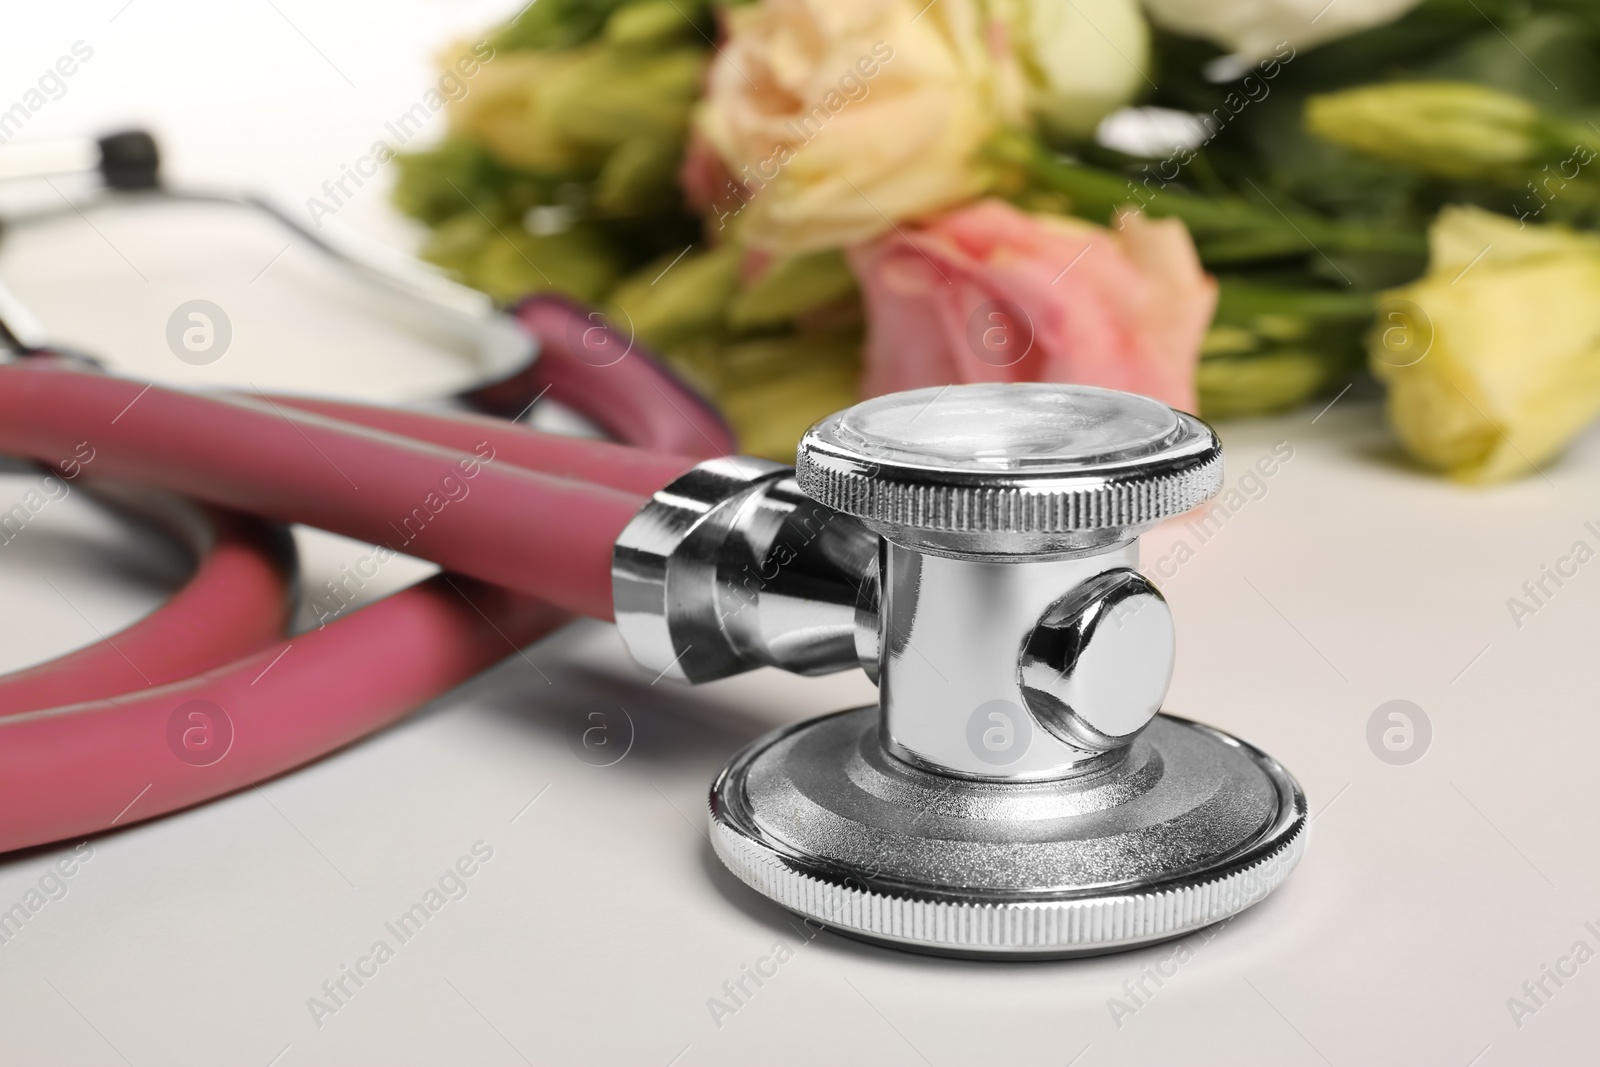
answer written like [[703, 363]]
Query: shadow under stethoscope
[[551, 692], [560, 692]]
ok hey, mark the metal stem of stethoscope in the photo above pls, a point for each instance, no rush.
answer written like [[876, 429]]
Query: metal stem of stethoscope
[[20, 332]]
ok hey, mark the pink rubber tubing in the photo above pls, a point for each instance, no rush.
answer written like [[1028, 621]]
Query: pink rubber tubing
[[239, 599], [208, 695]]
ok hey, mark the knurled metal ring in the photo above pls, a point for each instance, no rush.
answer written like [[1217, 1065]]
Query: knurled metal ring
[[1045, 504], [1036, 924], [1046, 929], [1010, 468]]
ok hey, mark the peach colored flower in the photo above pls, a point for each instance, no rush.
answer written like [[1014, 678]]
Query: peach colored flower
[[842, 117], [990, 293]]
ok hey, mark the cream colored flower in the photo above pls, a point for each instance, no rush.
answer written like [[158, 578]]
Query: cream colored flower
[[1251, 29], [1080, 61], [843, 117], [1493, 358]]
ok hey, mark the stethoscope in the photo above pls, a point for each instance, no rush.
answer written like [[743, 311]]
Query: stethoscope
[[1015, 792]]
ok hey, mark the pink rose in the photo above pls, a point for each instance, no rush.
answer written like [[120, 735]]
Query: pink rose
[[988, 293], [707, 183]]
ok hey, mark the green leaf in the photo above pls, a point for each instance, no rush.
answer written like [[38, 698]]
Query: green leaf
[[678, 297], [790, 287]]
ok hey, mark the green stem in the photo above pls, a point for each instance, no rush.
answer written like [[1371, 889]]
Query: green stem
[[1228, 229]]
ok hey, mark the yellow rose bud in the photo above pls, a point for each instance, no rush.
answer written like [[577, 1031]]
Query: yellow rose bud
[[1493, 358], [1452, 129]]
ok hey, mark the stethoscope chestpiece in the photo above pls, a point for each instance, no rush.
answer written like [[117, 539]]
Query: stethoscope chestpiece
[[1016, 791]]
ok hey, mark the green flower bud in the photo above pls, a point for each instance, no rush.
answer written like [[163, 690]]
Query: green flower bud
[[552, 25], [609, 96], [1273, 347], [651, 23], [639, 177], [434, 184], [1449, 129]]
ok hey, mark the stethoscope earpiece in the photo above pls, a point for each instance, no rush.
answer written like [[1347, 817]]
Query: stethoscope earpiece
[[130, 160]]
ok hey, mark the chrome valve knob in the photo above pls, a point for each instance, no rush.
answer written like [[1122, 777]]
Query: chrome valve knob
[[1096, 668], [1017, 640]]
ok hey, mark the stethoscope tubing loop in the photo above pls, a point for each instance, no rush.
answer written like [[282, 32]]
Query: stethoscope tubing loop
[[522, 522]]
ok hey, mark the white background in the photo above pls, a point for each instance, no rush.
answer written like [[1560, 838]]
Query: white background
[[603, 924]]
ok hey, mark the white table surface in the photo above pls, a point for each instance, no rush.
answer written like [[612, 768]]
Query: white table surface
[[603, 925]]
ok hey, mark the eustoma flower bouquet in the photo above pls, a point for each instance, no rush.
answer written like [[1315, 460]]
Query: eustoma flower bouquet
[[1230, 205]]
